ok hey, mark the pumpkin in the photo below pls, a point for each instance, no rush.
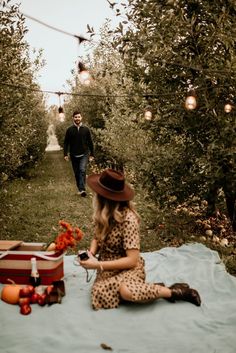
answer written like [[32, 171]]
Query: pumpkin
[[11, 292]]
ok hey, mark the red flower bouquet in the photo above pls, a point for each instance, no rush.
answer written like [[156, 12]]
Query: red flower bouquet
[[67, 239]]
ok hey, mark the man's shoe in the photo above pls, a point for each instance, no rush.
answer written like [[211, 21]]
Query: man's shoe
[[83, 193]]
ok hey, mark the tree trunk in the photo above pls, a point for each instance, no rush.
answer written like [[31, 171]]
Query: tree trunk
[[211, 199], [230, 197]]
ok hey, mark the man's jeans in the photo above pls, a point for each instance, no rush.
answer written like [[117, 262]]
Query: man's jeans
[[79, 165]]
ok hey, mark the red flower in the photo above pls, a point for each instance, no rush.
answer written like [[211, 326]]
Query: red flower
[[68, 239], [79, 234]]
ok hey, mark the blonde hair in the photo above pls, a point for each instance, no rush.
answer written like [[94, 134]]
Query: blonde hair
[[107, 213]]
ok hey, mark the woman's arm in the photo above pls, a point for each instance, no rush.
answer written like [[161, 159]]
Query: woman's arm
[[93, 247], [124, 263]]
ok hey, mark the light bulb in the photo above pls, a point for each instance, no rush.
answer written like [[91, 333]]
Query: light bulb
[[87, 82], [61, 114], [84, 75], [190, 103], [227, 108], [148, 115], [61, 117]]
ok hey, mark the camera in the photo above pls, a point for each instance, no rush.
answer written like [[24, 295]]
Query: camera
[[83, 255]]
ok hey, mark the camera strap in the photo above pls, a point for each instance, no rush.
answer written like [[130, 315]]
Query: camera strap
[[88, 275]]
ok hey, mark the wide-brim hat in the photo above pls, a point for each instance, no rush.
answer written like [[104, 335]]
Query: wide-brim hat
[[111, 185]]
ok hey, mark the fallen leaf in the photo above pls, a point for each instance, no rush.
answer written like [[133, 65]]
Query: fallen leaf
[[106, 347]]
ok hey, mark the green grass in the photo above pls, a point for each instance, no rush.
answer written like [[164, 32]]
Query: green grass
[[31, 208]]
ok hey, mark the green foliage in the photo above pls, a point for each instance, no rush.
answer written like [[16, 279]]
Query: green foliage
[[170, 47], [96, 101], [23, 116], [158, 53]]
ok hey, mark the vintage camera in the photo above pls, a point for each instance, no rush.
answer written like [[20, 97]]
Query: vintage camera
[[83, 255]]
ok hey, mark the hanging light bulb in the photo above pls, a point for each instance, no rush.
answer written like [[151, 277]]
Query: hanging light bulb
[[84, 75], [148, 113], [61, 114], [60, 109], [87, 82], [228, 107], [190, 102]]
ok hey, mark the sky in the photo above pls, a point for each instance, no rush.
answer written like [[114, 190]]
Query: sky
[[61, 51]]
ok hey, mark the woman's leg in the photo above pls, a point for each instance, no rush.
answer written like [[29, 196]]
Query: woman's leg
[[143, 292]]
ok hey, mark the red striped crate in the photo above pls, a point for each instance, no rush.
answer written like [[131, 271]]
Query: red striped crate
[[15, 264]]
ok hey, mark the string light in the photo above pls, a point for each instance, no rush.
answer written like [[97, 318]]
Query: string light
[[79, 38], [148, 113], [161, 62], [85, 78], [60, 109], [84, 75], [228, 107], [154, 95], [191, 102]]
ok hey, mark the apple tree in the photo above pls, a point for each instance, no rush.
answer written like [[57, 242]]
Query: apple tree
[[171, 49]]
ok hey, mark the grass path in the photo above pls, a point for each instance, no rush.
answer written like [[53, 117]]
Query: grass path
[[32, 207]]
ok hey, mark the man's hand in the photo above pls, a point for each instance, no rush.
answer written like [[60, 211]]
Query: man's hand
[[91, 158], [66, 158]]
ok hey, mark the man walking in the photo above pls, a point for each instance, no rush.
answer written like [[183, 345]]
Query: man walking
[[78, 142]]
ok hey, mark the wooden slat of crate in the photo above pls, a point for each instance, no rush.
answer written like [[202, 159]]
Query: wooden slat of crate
[[9, 244]]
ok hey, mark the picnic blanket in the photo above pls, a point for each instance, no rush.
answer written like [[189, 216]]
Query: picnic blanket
[[163, 327]]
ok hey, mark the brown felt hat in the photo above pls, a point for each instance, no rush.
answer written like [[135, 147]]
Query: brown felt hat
[[111, 185]]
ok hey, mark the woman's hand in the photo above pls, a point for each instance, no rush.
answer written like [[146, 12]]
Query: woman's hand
[[91, 263]]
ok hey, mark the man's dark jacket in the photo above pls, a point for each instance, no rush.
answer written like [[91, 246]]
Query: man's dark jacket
[[78, 142]]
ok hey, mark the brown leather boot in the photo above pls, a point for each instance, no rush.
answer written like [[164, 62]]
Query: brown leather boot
[[176, 285], [179, 285], [181, 291]]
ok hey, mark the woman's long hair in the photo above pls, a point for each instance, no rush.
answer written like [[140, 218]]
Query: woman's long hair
[[107, 213]]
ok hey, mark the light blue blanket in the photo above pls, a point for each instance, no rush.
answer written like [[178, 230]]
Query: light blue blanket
[[159, 327]]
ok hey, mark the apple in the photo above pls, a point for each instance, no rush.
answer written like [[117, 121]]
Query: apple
[[24, 301], [27, 291], [34, 298], [25, 309], [42, 299]]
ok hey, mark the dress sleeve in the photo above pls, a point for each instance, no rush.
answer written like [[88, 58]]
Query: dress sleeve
[[131, 237]]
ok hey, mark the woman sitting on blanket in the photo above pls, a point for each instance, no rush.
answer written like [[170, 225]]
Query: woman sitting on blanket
[[120, 268]]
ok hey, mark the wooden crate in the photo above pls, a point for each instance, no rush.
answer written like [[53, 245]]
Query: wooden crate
[[15, 262]]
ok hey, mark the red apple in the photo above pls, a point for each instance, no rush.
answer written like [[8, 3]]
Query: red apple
[[34, 298], [24, 301], [25, 309], [27, 291], [42, 299]]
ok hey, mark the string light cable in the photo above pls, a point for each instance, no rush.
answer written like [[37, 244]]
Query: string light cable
[[82, 71], [61, 93], [80, 38], [161, 62]]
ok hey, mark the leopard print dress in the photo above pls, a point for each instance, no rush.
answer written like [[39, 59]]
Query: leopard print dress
[[105, 290]]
